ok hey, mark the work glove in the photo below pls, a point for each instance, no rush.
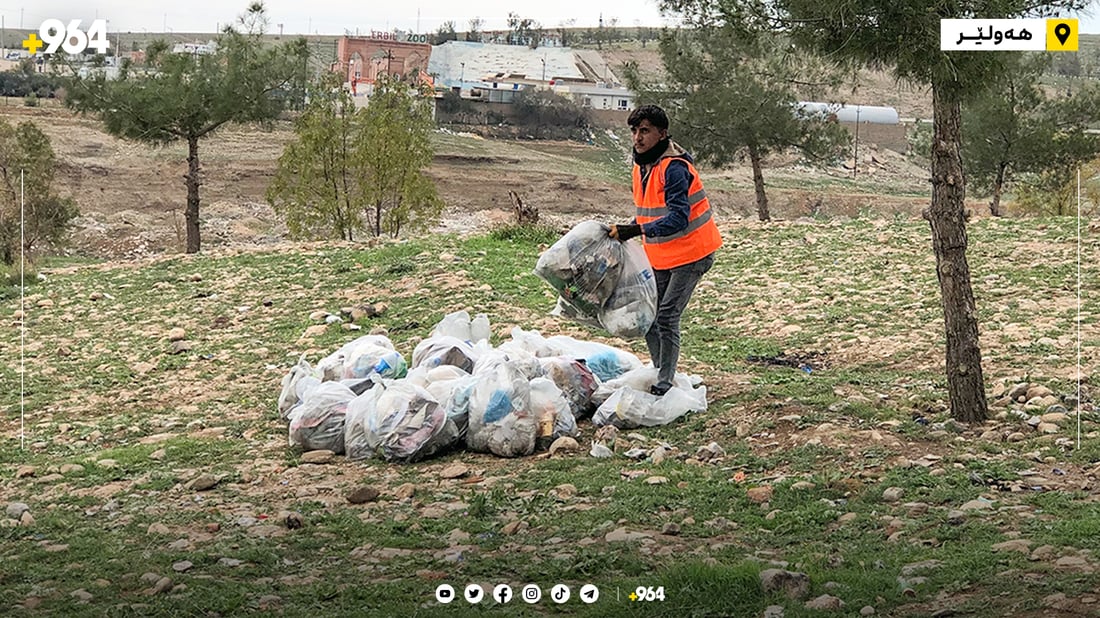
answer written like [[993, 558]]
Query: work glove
[[625, 232]]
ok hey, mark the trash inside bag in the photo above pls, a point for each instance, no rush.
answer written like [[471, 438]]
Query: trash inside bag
[[605, 361], [583, 266], [628, 408], [500, 413], [601, 280], [407, 423], [362, 357], [641, 379], [318, 421], [444, 350], [526, 362], [552, 413], [575, 380], [632, 306]]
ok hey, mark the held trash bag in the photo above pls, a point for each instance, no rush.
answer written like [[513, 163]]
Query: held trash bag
[[601, 280], [318, 421], [632, 306], [583, 266]]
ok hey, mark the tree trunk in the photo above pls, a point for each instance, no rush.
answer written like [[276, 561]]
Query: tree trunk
[[998, 185], [193, 183], [758, 182], [948, 221]]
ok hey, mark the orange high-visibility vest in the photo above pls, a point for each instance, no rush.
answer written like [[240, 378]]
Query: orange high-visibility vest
[[698, 240]]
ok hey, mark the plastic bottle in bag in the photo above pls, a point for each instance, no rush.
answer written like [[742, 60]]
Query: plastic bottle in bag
[[479, 328]]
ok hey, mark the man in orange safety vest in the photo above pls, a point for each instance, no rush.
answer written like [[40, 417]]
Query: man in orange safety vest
[[675, 221]]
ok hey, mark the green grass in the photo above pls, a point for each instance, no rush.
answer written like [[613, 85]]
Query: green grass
[[118, 387]]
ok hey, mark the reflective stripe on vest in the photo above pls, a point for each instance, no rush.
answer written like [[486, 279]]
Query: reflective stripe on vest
[[693, 199], [693, 225]]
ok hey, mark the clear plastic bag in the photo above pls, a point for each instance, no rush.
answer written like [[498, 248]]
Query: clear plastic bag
[[318, 421], [500, 413], [479, 328], [641, 379], [575, 380], [444, 350], [526, 362], [362, 357], [583, 266], [552, 412], [601, 280], [289, 395], [632, 306], [455, 325], [407, 423], [605, 361], [628, 408]]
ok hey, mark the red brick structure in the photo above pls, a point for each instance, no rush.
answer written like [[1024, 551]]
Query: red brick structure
[[363, 59]]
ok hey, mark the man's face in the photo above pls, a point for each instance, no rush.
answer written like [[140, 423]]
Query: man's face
[[646, 136]]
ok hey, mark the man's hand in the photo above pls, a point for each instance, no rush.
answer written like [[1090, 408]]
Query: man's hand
[[625, 232]]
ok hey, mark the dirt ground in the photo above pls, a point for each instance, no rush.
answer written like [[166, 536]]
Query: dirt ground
[[132, 196]]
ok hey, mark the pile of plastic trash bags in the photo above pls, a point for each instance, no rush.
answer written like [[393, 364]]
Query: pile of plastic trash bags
[[364, 401], [601, 281]]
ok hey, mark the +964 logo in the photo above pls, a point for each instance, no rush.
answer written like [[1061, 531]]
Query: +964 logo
[[54, 34]]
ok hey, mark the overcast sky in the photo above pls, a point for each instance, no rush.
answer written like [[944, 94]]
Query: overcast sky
[[334, 16]]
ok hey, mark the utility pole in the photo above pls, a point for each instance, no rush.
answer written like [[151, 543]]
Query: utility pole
[[855, 155]]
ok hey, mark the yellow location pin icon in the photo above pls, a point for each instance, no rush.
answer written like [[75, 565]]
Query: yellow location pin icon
[[1062, 35]]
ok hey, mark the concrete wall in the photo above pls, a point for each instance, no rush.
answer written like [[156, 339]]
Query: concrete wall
[[892, 136]]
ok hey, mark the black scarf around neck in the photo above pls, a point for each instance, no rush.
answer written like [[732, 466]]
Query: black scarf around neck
[[650, 156]]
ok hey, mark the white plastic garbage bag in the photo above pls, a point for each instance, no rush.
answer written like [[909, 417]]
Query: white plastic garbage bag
[[455, 325], [575, 380], [318, 421], [444, 350], [583, 266], [362, 357], [601, 280], [500, 415], [641, 379], [526, 362], [628, 408], [408, 424], [480, 329], [552, 412], [632, 306], [605, 361], [289, 397]]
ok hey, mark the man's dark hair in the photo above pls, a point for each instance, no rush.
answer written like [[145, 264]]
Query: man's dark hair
[[655, 115]]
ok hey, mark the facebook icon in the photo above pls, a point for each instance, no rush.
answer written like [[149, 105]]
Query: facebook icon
[[502, 593]]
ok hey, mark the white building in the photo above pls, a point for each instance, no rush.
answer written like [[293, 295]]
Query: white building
[[195, 48]]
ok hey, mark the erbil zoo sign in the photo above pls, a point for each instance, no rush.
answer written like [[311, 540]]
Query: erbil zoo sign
[[398, 37]]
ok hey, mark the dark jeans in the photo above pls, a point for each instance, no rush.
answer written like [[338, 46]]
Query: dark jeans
[[674, 289]]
